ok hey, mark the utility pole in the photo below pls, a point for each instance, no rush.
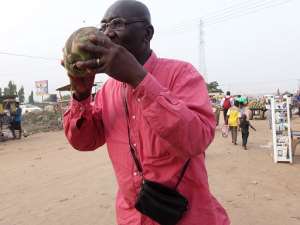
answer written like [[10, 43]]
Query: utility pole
[[201, 48]]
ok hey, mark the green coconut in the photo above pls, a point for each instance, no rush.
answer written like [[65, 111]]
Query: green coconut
[[72, 53]]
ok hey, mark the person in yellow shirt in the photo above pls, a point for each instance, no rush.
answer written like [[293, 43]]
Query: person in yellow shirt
[[1, 118], [234, 115], [1, 108]]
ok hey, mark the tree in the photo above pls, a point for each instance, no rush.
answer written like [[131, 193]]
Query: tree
[[0, 91], [30, 98], [214, 87], [21, 94], [6, 91], [11, 89]]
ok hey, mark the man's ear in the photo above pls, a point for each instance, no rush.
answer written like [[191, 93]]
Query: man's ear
[[149, 33]]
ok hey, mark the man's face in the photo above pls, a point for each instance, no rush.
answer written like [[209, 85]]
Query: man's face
[[125, 29]]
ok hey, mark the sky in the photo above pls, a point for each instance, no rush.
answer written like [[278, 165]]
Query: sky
[[248, 46]]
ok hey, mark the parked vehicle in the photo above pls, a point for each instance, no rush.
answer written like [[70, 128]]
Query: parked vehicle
[[26, 108]]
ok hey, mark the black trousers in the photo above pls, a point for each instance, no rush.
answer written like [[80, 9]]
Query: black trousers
[[15, 126], [245, 136], [225, 116]]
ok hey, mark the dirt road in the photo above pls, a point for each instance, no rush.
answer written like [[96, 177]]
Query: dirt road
[[43, 181]]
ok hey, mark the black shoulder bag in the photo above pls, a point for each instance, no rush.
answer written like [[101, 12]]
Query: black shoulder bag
[[162, 204]]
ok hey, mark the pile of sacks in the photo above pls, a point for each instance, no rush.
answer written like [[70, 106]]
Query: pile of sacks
[[35, 122]]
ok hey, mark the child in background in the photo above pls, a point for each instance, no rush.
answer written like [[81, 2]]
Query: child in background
[[233, 120], [244, 109], [244, 125]]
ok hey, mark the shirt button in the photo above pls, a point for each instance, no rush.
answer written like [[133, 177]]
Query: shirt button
[[134, 144], [133, 117], [138, 99], [135, 173]]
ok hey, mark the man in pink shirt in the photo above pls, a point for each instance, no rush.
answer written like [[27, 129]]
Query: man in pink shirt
[[170, 117]]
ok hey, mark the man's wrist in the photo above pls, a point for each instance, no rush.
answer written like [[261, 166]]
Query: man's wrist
[[138, 79]]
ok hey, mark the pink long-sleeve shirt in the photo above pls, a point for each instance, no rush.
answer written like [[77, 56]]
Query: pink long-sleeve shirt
[[171, 120]]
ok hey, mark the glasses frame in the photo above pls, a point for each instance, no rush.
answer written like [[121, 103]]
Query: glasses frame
[[105, 25]]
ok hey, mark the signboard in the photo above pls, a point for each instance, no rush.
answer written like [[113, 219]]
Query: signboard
[[41, 87], [281, 127]]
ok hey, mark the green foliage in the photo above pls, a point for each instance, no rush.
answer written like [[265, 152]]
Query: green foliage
[[214, 87], [6, 91], [10, 90], [30, 98], [21, 94], [66, 97]]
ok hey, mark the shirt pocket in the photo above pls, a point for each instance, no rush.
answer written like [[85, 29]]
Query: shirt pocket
[[155, 148]]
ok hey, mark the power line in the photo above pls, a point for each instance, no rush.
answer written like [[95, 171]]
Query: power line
[[212, 19], [29, 56], [227, 14], [218, 13], [238, 8], [239, 14], [215, 14]]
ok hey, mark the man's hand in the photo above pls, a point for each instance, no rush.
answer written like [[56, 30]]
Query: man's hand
[[112, 59], [82, 86]]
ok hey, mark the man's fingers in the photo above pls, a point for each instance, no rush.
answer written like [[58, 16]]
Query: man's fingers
[[90, 64], [82, 84], [100, 39], [92, 48], [98, 70]]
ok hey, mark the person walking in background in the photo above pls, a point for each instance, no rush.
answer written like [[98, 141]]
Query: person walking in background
[[15, 124], [269, 113], [244, 125], [1, 118], [226, 103], [298, 102], [233, 115], [244, 109]]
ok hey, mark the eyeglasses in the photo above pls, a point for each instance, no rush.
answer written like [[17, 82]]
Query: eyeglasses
[[118, 24]]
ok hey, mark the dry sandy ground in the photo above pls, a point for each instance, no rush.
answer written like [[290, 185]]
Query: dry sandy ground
[[44, 182]]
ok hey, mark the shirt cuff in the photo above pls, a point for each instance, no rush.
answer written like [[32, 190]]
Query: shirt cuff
[[80, 107]]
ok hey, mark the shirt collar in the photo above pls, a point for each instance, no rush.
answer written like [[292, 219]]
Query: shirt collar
[[151, 62]]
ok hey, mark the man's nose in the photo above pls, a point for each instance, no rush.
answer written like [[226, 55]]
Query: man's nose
[[109, 33]]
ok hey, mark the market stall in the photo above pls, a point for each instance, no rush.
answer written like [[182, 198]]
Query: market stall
[[258, 109]]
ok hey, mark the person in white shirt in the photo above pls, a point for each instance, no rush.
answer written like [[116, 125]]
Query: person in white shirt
[[226, 103]]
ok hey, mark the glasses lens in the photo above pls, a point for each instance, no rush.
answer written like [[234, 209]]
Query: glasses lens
[[103, 26], [117, 24]]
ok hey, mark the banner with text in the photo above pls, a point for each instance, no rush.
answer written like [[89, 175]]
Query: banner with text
[[41, 87]]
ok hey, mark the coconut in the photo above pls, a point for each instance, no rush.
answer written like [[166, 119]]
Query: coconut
[[73, 54]]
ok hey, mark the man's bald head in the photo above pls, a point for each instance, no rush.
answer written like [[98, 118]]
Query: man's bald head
[[135, 32], [128, 9]]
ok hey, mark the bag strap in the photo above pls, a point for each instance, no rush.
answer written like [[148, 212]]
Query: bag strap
[[133, 150], [131, 147], [182, 172]]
